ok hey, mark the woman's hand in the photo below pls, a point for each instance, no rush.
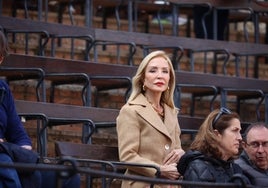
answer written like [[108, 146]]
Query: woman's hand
[[170, 171], [23, 146], [27, 147], [173, 157]]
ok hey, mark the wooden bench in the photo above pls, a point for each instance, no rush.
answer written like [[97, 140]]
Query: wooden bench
[[47, 116], [84, 152], [16, 26], [56, 30], [244, 86], [237, 49], [14, 74], [102, 117], [102, 79], [88, 78], [143, 39], [53, 114], [241, 87], [59, 114], [139, 39], [107, 153], [193, 45], [71, 78], [95, 118]]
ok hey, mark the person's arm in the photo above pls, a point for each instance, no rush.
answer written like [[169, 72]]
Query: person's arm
[[175, 155], [128, 132], [27, 147], [14, 131], [198, 170]]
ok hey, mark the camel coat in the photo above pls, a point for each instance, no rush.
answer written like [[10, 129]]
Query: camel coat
[[144, 138]]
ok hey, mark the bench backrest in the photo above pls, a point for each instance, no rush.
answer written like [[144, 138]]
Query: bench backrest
[[135, 37], [54, 110], [87, 151], [59, 65], [50, 65], [100, 116], [174, 43], [221, 81], [140, 39]]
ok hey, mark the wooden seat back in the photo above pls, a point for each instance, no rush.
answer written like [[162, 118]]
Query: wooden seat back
[[87, 151]]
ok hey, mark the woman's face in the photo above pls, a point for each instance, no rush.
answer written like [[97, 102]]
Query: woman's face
[[230, 139], [157, 75]]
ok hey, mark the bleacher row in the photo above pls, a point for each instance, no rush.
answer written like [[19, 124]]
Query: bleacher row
[[106, 76]]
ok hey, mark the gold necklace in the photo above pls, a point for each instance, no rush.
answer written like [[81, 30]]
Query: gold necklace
[[160, 112]]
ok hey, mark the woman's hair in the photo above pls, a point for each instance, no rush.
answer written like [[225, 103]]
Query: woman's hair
[[138, 79], [3, 45], [206, 140]]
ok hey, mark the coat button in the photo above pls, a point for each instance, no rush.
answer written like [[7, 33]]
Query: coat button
[[167, 147]]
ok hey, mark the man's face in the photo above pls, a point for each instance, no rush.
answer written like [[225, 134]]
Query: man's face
[[256, 147]]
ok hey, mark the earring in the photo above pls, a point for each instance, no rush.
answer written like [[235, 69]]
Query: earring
[[143, 87], [167, 88]]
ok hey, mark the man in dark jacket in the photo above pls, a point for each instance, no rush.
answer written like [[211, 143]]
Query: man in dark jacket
[[254, 159]]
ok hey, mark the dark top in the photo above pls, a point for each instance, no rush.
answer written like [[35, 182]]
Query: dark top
[[195, 166], [11, 127], [256, 176]]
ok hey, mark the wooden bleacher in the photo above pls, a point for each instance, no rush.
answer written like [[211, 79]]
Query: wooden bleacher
[[140, 39], [243, 87], [54, 114], [225, 84], [193, 45]]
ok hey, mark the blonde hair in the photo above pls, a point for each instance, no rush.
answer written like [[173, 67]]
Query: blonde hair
[[137, 80]]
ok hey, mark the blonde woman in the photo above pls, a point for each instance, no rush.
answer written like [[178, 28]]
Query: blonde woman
[[147, 125]]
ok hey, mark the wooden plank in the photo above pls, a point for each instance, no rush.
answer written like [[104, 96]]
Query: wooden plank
[[140, 39], [100, 116], [54, 110], [50, 65]]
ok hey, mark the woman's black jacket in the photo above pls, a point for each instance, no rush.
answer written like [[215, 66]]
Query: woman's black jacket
[[195, 166]]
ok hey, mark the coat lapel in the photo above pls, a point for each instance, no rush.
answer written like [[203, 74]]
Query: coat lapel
[[146, 111]]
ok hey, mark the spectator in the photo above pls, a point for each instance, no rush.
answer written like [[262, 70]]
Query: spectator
[[147, 125], [210, 158], [254, 158], [222, 21], [13, 132]]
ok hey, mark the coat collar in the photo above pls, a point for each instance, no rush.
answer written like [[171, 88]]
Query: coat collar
[[146, 111]]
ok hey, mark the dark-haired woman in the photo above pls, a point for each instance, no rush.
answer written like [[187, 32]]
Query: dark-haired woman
[[217, 143]]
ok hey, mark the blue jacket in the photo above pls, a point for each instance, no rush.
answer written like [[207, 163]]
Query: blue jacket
[[11, 127]]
